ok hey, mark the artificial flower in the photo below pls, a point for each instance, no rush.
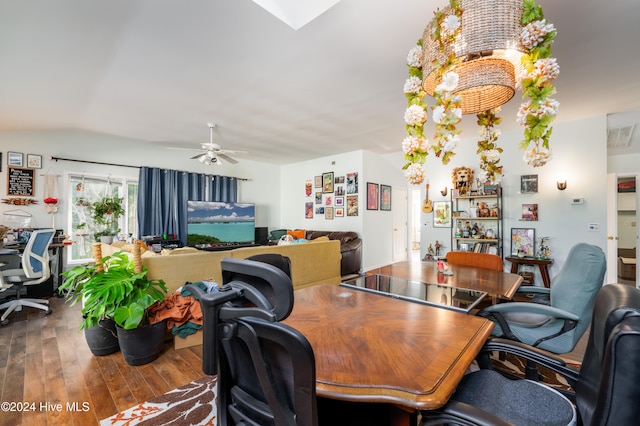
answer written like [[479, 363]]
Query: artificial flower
[[411, 144], [535, 32], [415, 115], [413, 85], [537, 157], [414, 174], [414, 57], [450, 24], [449, 82]]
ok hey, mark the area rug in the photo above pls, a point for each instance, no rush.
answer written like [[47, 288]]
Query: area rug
[[516, 366], [191, 404]]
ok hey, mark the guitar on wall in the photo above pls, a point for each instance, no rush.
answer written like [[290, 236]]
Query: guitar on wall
[[427, 206]]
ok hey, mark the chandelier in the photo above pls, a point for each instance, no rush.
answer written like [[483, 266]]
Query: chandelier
[[487, 53]]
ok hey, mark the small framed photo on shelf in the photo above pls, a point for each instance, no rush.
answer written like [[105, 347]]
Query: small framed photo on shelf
[[14, 159], [522, 242]]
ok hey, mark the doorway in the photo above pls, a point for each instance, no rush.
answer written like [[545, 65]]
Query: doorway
[[622, 233]]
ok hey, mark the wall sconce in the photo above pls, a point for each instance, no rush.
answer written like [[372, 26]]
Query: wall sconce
[[562, 184], [444, 192]]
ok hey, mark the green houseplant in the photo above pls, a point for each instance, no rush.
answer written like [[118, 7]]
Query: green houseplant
[[105, 213], [116, 288]]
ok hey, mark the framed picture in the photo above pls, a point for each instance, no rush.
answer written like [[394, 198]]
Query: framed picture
[[328, 213], [339, 201], [319, 210], [328, 201], [385, 197], [372, 196], [522, 242], [318, 181], [530, 212], [327, 182], [352, 183], [529, 184], [14, 159], [319, 197], [352, 205], [442, 214], [339, 212], [308, 210]]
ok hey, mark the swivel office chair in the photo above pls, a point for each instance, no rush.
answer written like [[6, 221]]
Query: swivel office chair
[[35, 270], [266, 369], [556, 328], [607, 386]]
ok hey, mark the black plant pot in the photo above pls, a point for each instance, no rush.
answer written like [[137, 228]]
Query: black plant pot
[[102, 338], [143, 344]]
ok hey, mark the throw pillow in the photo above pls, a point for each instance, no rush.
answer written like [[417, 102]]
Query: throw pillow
[[298, 233]]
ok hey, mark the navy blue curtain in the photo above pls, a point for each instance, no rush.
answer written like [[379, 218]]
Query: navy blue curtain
[[163, 196]]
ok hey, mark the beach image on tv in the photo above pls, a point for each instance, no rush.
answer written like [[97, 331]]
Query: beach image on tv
[[210, 222]]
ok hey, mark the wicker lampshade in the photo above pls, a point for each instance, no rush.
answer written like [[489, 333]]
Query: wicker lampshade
[[489, 50]]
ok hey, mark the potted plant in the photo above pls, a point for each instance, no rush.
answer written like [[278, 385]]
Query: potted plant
[[106, 212], [116, 288]]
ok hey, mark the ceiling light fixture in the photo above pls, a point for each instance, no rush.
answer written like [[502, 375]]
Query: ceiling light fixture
[[488, 52]]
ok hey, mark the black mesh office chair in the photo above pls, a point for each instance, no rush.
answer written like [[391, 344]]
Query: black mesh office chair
[[266, 369], [278, 260], [607, 387]]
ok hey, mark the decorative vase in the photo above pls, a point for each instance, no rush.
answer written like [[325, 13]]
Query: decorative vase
[[143, 344], [102, 339]]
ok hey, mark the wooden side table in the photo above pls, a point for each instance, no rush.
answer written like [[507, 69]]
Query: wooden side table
[[543, 265]]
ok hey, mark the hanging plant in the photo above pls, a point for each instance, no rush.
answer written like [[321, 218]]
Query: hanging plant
[[535, 81]]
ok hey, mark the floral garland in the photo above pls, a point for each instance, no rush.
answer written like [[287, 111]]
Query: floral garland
[[488, 150], [540, 70], [536, 114], [446, 112]]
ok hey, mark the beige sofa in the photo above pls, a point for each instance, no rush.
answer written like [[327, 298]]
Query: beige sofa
[[311, 263]]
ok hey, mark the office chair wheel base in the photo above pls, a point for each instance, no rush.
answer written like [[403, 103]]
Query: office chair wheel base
[[5, 322], [48, 311]]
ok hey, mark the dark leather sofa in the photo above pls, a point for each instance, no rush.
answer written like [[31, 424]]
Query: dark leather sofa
[[350, 248]]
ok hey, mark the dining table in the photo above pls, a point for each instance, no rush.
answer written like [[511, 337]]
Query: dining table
[[377, 349], [498, 285]]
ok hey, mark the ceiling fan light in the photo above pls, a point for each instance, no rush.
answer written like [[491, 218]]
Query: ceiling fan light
[[202, 158], [211, 154]]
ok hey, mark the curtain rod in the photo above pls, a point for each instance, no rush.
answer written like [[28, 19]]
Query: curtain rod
[[120, 165]]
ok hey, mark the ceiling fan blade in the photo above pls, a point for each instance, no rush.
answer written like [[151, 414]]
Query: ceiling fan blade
[[227, 158], [196, 156]]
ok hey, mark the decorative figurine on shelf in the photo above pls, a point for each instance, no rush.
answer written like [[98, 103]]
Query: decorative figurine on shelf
[[438, 246], [462, 180], [544, 252]]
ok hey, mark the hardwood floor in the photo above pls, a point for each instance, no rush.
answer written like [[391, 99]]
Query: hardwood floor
[[45, 361]]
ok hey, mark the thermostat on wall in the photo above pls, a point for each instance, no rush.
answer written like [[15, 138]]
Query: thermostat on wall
[[577, 200]]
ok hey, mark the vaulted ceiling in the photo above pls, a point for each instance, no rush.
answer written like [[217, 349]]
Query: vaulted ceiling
[[160, 70]]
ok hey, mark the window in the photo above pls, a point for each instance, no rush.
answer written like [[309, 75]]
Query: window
[[86, 190]]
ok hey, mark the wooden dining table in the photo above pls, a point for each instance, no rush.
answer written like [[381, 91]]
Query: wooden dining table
[[372, 348], [499, 285]]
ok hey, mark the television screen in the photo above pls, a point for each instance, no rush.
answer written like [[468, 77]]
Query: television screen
[[211, 222]]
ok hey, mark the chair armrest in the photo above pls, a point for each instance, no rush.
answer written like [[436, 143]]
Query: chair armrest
[[530, 353], [531, 308], [533, 289]]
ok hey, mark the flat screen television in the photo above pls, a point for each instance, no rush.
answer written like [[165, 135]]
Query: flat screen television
[[212, 222]]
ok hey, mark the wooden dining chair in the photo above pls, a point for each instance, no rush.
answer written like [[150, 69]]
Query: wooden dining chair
[[476, 260]]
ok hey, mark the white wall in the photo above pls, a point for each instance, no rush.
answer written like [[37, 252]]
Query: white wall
[[110, 149], [579, 150], [374, 226]]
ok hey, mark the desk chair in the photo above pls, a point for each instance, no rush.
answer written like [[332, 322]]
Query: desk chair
[[35, 270], [266, 369], [607, 386], [476, 260], [556, 328]]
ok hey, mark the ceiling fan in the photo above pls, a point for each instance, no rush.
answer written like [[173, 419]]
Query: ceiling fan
[[211, 153]]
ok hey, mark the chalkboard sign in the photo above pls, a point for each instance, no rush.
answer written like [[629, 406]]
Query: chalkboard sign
[[20, 181]]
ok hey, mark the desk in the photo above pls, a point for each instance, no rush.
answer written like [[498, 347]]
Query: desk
[[58, 252], [542, 265], [497, 284], [372, 348]]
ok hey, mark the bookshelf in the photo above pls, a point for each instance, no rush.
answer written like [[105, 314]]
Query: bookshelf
[[477, 221]]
